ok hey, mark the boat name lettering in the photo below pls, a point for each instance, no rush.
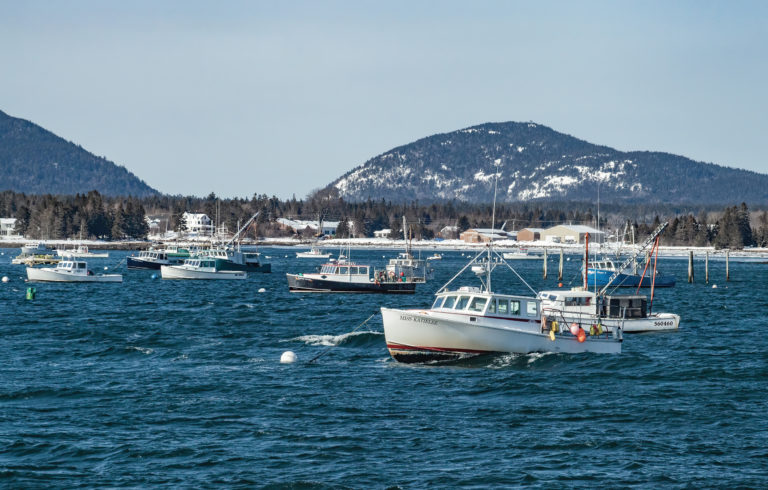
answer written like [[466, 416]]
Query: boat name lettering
[[409, 318]]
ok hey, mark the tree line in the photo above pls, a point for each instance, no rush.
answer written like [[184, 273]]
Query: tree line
[[94, 216]]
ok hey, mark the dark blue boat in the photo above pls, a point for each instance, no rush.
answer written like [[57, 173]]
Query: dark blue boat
[[600, 272]]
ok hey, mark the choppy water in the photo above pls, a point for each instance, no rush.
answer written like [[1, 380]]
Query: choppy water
[[178, 383]]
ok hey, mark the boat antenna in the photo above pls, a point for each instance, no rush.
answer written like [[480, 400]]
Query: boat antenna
[[496, 164]]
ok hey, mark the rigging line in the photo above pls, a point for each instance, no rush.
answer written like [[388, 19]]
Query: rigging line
[[513, 270], [332, 346], [459, 273]]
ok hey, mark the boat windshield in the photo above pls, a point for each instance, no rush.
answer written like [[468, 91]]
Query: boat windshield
[[449, 301], [477, 304]]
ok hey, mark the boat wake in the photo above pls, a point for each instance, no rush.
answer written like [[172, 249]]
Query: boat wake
[[350, 339]]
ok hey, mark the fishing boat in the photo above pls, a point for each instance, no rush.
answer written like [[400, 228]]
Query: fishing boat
[[199, 268], [406, 265], [471, 321], [435, 256], [313, 253], [520, 255], [343, 276], [81, 251], [600, 272], [628, 312], [151, 259], [38, 248], [231, 257], [70, 271]]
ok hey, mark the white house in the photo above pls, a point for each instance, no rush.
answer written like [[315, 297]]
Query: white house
[[198, 223], [6, 227], [297, 225], [382, 233], [572, 234]]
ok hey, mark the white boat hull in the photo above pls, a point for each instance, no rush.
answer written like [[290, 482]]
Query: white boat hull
[[310, 255], [179, 272], [52, 275], [87, 255], [424, 335], [661, 322]]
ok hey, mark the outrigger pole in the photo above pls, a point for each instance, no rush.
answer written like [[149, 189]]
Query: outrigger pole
[[625, 264]]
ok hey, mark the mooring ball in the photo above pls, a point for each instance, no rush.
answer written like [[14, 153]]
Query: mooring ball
[[262, 290], [714, 286], [5, 279], [153, 276], [288, 357]]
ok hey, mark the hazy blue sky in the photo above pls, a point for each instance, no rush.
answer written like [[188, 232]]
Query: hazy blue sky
[[282, 97]]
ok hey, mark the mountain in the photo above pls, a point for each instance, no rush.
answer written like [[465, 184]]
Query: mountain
[[539, 163], [36, 161]]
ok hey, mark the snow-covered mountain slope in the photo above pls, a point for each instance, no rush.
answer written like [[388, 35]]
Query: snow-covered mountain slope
[[536, 162]]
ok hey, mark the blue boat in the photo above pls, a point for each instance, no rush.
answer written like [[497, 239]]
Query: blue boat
[[600, 272]]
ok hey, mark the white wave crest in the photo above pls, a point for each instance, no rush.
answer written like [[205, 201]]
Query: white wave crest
[[330, 340]]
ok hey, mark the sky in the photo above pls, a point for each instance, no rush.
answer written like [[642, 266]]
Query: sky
[[283, 97]]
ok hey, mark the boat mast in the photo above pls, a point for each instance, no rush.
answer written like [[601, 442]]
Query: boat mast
[[493, 224]]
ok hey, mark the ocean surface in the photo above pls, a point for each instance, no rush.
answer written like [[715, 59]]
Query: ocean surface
[[179, 384]]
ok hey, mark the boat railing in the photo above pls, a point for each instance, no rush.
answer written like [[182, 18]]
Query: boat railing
[[555, 319]]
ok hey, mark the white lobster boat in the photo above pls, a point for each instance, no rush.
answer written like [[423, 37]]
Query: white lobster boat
[[70, 271], [81, 251], [470, 321], [200, 268], [313, 253], [629, 312]]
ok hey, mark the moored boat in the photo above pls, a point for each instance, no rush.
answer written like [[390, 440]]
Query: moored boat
[[199, 268], [313, 253], [81, 251], [601, 273], [70, 271], [471, 321], [348, 277], [628, 312]]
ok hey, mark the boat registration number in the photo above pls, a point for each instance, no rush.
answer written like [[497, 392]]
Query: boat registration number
[[663, 323]]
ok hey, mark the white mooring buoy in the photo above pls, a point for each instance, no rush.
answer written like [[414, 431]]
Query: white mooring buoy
[[714, 286], [5, 279], [288, 357], [262, 290]]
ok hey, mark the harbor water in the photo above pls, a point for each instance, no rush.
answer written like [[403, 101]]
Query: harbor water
[[179, 384]]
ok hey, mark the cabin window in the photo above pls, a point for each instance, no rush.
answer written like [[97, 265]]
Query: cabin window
[[492, 306], [343, 270], [449, 300], [477, 304], [364, 270], [81, 266], [514, 307], [531, 308], [438, 302], [462, 303], [503, 306]]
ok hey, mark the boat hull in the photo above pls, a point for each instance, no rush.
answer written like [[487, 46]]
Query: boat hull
[[299, 283], [599, 278], [415, 336], [51, 275], [179, 272], [228, 265]]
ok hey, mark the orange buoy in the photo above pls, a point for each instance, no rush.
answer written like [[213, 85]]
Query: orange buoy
[[581, 336], [559, 284]]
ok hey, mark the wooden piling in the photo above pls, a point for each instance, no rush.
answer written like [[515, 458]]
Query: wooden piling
[[706, 268], [690, 266], [545, 263], [560, 267], [727, 266]]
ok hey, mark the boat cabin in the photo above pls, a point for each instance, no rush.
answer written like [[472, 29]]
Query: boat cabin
[[153, 255], [344, 269], [574, 301], [473, 301], [603, 264], [625, 306], [76, 267], [200, 263]]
